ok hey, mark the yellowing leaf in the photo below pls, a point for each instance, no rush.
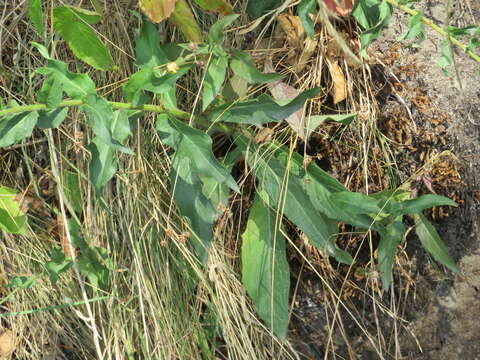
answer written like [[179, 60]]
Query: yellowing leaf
[[157, 10], [338, 79], [183, 18], [218, 6]]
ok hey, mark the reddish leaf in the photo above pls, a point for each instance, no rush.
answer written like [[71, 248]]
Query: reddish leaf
[[340, 7]]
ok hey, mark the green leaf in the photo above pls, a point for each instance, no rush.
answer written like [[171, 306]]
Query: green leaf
[[12, 218], [15, 128], [218, 6], [313, 122], [183, 18], [195, 145], [446, 58], [305, 8], [415, 206], [214, 78], [147, 46], [298, 207], [242, 65], [21, 282], [58, 264], [261, 110], [216, 34], [373, 16], [151, 80], [36, 16], [387, 248], [52, 119], [192, 203], [257, 8], [51, 92], [432, 243], [100, 117], [81, 39], [415, 30], [265, 270], [103, 164]]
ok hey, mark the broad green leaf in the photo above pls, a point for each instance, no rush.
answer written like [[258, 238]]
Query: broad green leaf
[[298, 207], [148, 52], [265, 270], [387, 248], [157, 10], [432, 243], [218, 6], [261, 110], [100, 117], [235, 88], [15, 128], [72, 190], [193, 204], [373, 16], [81, 39], [257, 8], [183, 18], [90, 17], [12, 218], [305, 8], [415, 206], [52, 119], [314, 121], [216, 34], [103, 164], [195, 145], [35, 15], [242, 65], [58, 264], [51, 92], [151, 80], [356, 202], [214, 78]]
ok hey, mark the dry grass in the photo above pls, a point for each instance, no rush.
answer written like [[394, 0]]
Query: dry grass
[[161, 303]]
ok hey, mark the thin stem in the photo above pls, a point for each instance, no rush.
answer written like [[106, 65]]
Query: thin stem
[[437, 28]]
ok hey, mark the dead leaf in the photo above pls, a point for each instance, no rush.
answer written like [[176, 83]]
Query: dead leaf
[[340, 7], [309, 47], [7, 344], [263, 135], [283, 93], [338, 80], [293, 28], [157, 10]]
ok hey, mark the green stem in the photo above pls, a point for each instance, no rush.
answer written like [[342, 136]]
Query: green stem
[[437, 28]]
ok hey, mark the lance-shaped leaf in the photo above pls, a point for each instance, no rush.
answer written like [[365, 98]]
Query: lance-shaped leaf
[[35, 15], [416, 206], [216, 34], [432, 243], [195, 145], [192, 203], [15, 128], [103, 164], [218, 6], [314, 121], [242, 65], [183, 18], [52, 119], [148, 52], [214, 78], [305, 8], [265, 270], [257, 8], [81, 39], [157, 10], [261, 110], [12, 218], [298, 208], [390, 238]]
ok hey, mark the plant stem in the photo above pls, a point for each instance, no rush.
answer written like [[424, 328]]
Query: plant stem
[[437, 28]]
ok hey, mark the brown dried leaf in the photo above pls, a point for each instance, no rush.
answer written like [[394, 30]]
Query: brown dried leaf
[[338, 80], [293, 28], [157, 10], [7, 344], [309, 47]]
